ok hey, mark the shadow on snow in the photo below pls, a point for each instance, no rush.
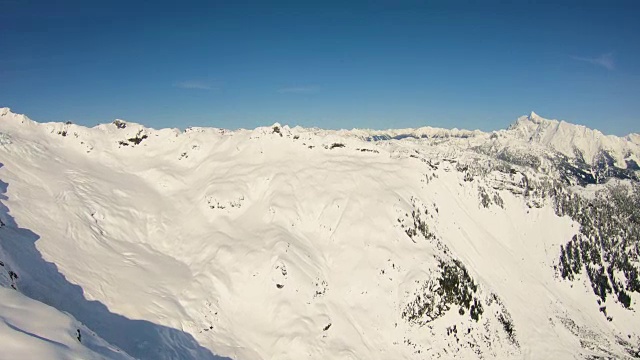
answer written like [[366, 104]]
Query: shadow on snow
[[41, 280]]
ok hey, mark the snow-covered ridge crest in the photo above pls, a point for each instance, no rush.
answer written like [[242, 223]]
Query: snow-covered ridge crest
[[577, 142], [6, 113], [532, 126], [634, 138]]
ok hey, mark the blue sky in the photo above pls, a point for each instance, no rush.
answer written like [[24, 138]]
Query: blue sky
[[376, 64]]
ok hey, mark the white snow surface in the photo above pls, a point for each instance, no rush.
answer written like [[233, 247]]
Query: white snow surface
[[263, 244]]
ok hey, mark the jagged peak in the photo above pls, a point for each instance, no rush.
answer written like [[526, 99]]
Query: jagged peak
[[567, 138], [535, 117], [5, 112], [530, 120]]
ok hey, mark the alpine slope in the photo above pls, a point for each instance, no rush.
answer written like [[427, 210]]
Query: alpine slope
[[121, 241]]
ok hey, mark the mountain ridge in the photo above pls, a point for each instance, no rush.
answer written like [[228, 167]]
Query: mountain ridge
[[6, 111]]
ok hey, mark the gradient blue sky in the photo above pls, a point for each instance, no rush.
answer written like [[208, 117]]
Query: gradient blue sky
[[375, 64]]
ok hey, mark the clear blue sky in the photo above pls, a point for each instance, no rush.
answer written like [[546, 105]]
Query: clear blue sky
[[376, 64]]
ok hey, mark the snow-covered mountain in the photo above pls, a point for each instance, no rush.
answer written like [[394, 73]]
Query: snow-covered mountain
[[296, 243]]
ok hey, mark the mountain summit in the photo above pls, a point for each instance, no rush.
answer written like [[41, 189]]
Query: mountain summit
[[575, 141]]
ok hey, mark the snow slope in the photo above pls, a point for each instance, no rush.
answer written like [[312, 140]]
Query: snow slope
[[296, 243]]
